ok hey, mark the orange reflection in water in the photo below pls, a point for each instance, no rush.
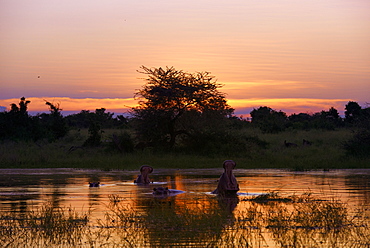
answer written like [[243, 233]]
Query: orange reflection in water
[[195, 216]]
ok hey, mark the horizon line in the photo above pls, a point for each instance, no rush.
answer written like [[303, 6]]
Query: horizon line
[[241, 106]]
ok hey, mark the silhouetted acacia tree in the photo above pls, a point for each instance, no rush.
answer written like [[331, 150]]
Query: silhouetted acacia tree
[[174, 102]]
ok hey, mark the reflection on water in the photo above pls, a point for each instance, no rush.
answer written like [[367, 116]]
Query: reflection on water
[[120, 213]]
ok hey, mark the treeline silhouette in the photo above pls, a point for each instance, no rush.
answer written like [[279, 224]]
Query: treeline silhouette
[[18, 125], [271, 121]]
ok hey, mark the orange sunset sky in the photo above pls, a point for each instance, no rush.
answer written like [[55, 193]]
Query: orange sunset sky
[[291, 55]]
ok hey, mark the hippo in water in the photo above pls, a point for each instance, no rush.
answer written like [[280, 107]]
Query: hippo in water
[[161, 191], [227, 184], [145, 170]]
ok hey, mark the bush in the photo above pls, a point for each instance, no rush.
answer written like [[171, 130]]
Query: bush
[[359, 144], [223, 143], [122, 143], [94, 138]]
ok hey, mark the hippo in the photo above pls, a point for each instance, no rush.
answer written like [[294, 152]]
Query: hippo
[[227, 184], [144, 178], [161, 191], [94, 184]]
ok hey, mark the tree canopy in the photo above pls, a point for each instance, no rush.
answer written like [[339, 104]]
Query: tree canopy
[[179, 91], [269, 120], [353, 111], [173, 102]]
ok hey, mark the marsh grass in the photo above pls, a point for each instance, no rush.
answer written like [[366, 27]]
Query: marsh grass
[[326, 152], [302, 221], [289, 221], [163, 224], [269, 220], [46, 226], [303, 211]]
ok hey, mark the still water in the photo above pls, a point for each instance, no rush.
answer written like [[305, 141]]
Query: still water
[[24, 190]]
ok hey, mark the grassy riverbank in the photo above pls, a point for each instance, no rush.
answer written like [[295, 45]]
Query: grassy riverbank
[[325, 152]]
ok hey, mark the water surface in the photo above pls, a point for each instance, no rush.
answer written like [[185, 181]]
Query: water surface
[[23, 190]]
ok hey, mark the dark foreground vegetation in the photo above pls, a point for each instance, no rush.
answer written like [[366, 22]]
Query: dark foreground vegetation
[[182, 121]]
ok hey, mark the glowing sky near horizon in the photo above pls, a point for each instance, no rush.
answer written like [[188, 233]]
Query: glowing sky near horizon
[[290, 55]]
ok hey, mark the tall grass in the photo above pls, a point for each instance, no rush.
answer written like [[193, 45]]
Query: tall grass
[[46, 226], [294, 221], [326, 152]]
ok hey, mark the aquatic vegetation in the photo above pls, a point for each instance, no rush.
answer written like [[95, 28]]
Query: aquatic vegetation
[[271, 196], [114, 199], [45, 226], [268, 220]]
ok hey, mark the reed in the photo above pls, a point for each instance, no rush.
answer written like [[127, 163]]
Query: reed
[[46, 226], [289, 221]]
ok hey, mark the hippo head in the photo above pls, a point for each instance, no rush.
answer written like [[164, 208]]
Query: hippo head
[[146, 169], [229, 165], [161, 191], [143, 178]]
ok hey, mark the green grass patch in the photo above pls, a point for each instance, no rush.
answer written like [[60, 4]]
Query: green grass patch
[[325, 152]]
